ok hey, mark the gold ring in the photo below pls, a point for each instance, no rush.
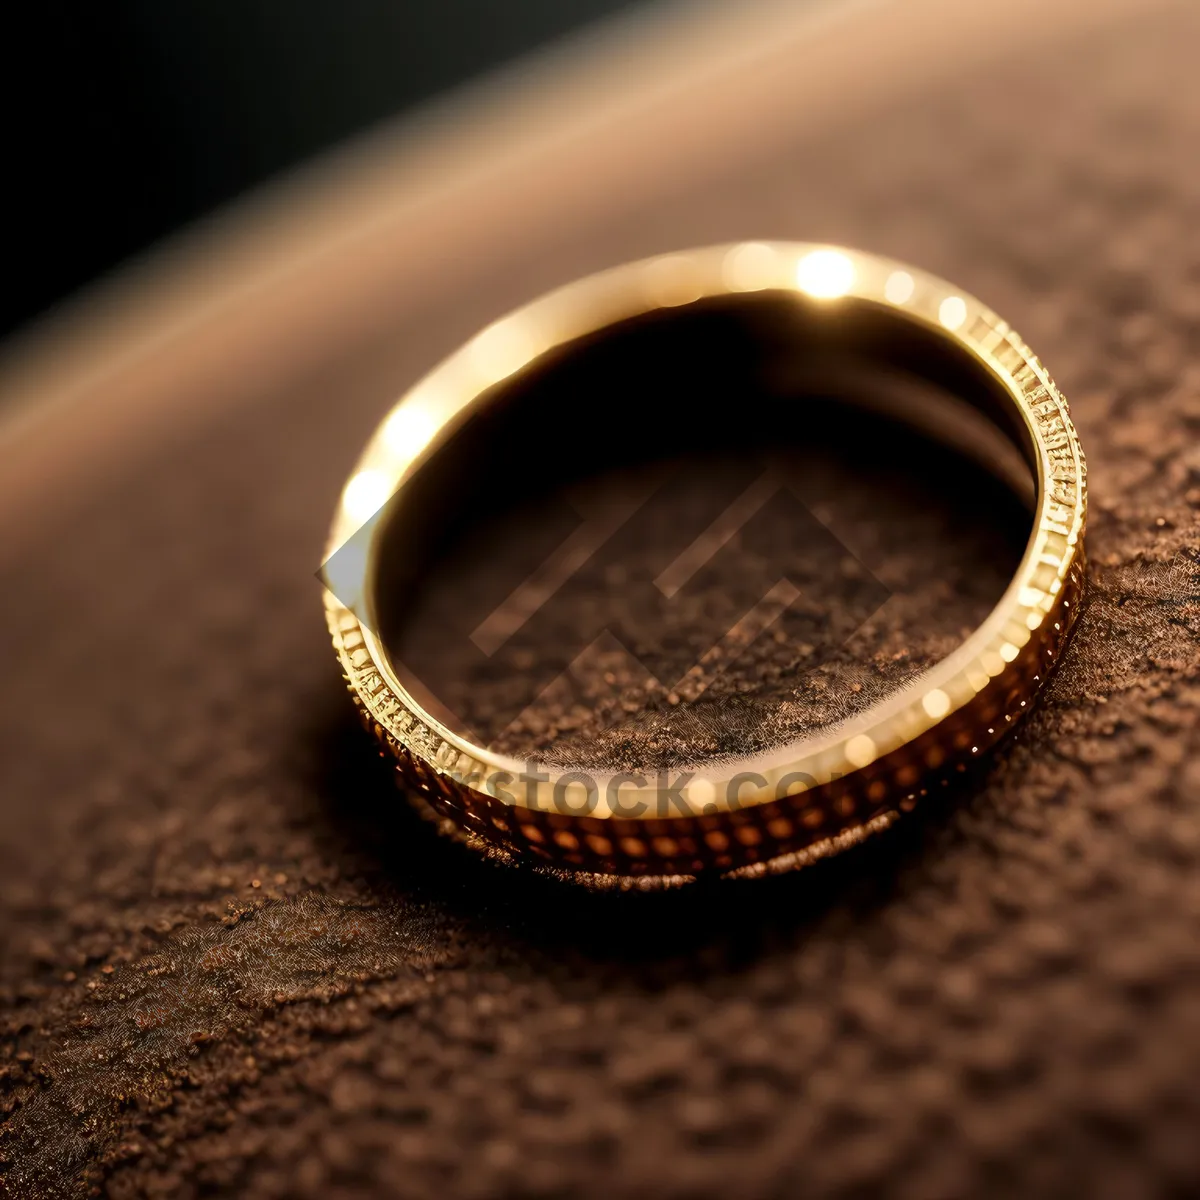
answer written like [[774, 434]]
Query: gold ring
[[775, 810]]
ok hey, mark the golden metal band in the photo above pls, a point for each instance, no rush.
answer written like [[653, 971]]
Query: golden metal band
[[801, 800]]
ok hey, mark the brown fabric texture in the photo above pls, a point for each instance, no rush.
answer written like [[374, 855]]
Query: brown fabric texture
[[236, 964]]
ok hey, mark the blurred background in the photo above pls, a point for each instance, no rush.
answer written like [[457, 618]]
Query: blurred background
[[129, 119]]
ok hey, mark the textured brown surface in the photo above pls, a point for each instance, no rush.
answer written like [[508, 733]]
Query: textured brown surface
[[999, 997]]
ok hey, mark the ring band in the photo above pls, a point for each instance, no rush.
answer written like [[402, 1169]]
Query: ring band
[[799, 801]]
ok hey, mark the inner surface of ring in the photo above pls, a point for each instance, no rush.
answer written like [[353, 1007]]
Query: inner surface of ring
[[702, 533]]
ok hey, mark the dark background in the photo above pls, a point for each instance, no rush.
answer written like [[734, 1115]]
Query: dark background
[[130, 118]]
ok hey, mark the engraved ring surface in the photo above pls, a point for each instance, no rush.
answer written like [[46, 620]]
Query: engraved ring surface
[[774, 810]]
